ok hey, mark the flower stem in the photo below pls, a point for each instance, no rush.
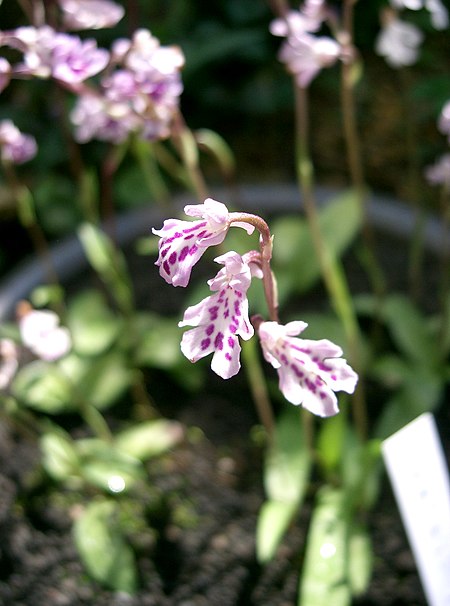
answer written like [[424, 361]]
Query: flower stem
[[258, 387], [265, 244], [332, 273], [354, 153]]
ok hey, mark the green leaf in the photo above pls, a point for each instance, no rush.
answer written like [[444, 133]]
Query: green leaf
[[421, 393], [109, 263], [158, 342], [331, 440], [391, 370], [324, 576], [288, 461], [106, 467], [43, 387], [59, 457], [361, 471], [93, 326], [274, 519], [409, 330], [360, 559], [295, 262], [149, 439], [103, 549], [340, 220], [106, 380], [216, 145]]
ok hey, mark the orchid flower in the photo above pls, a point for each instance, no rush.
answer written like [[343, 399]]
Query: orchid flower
[[309, 371], [41, 333], [48, 53], [15, 146], [184, 242], [221, 317], [398, 42], [303, 53], [439, 172], [90, 14]]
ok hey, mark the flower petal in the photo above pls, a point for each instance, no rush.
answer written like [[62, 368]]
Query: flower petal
[[309, 371]]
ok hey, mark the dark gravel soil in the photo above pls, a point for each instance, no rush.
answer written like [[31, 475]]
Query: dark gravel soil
[[207, 562]]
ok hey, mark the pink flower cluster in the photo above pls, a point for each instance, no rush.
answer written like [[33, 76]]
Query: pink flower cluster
[[51, 54], [141, 95], [303, 52], [138, 82], [309, 371]]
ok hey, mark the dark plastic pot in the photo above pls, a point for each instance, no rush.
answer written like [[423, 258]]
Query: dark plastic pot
[[385, 214]]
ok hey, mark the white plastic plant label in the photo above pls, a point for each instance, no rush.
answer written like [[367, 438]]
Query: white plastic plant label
[[416, 465]]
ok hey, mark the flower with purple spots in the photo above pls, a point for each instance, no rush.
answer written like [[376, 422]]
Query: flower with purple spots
[[221, 317], [309, 371], [184, 242]]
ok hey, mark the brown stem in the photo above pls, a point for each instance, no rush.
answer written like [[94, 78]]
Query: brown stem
[[265, 244]]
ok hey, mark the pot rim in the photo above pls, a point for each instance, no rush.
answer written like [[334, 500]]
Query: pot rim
[[394, 217]]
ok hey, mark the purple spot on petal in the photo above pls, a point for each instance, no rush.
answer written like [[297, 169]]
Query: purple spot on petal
[[310, 385], [322, 395], [213, 312], [183, 253], [173, 258], [188, 230], [210, 330], [231, 342], [232, 328], [193, 249], [166, 267], [165, 251], [205, 344], [334, 377], [284, 359], [228, 357], [298, 373], [218, 342]]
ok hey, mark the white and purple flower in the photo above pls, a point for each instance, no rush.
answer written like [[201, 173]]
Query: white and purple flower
[[90, 14], [140, 95], [221, 318], [183, 242], [398, 42], [48, 53], [42, 334], [15, 146], [309, 371]]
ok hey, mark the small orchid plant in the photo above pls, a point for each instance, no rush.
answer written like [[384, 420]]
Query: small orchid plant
[[84, 355], [309, 371]]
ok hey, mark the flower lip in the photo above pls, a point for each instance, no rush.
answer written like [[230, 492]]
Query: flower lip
[[309, 371], [219, 319], [183, 242]]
